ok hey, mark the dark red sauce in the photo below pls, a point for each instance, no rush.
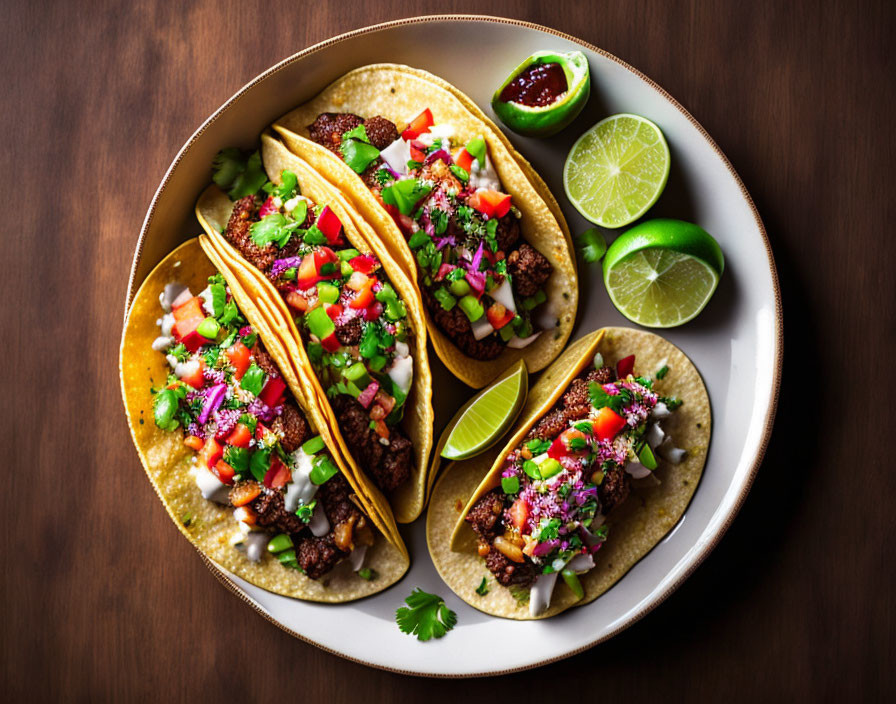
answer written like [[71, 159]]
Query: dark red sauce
[[537, 86]]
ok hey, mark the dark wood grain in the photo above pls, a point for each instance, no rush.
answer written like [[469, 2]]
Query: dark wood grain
[[103, 601]]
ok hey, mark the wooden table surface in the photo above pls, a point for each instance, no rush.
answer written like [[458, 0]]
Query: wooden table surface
[[103, 601]]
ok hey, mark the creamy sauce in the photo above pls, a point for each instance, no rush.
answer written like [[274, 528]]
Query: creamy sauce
[[540, 594], [301, 489], [443, 132], [182, 369], [251, 542], [170, 294], [211, 488]]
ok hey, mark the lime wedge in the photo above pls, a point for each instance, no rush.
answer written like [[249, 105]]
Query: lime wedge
[[487, 416], [616, 171], [662, 272]]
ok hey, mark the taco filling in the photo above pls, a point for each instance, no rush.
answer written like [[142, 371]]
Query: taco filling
[[558, 486], [354, 325], [255, 449], [482, 284]]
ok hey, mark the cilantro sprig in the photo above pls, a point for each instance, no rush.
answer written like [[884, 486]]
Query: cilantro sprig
[[601, 399], [425, 616], [237, 173]]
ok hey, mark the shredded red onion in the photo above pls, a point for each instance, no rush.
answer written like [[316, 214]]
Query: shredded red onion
[[366, 397], [267, 208], [477, 258], [443, 271], [477, 280], [544, 548], [439, 154], [213, 400], [442, 241], [281, 265]]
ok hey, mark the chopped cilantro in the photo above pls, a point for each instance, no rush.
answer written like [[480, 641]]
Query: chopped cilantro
[[405, 194], [300, 212], [482, 589], [187, 519], [238, 174], [383, 176], [305, 511], [576, 444], [601, 399], [238, 458], [287, 187], [274, 228], [671, 402], [179, 352], [425, 616], [476, 148], [662, 371], [253, 379], [531, 469], [367, 574], [413, 165], [536, 447], [357, 154], [439, 220], [549, 529], [259, 463], [164, 407], [584, 427]]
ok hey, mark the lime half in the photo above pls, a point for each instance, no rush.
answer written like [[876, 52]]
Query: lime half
[[487, 416], [662, 273], [616, 171]]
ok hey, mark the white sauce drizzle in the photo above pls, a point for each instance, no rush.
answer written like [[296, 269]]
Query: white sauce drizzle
[[301, 489], [319, 525], [211, 488]]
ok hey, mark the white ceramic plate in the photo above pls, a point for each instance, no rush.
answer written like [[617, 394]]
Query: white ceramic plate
[[736, 342]]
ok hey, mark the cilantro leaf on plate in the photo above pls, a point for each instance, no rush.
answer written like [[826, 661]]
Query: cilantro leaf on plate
[[425, 616]]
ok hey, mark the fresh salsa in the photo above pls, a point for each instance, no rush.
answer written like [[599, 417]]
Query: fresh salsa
[[255, 449], [574, 466], [353, 323], [482, 284]]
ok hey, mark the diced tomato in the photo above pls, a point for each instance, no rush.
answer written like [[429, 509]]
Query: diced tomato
[[443, 271], [519, 512], [192, 340], [418, 125], [224, 471], [245, 493], [297, 301], [417, 154], [373, 312], [625, 366], [463, 159], [331, 343], [277, 475], [260, 430], [239, 357], [325, 255], [195, 379], [560, 447], [194, 442], [498, 316], [334, 310], [272, 393], [607, 424], [365, 263], [377, 412], [267, 208], [307, 274], [329, 224], [364, 298], [490, 203], [381, 429], [240, 436], [187, 318], [211, 452]]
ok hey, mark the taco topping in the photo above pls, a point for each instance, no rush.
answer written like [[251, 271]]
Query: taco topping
[[255, 450], [353, 322], [557, 487], [481, 283]]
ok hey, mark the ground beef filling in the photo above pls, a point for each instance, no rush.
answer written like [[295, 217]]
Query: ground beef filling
[[315, 555], [529, 269], [389, 466], [486, 517]]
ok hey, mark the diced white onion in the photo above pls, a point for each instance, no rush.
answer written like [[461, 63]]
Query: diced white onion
[[660, 410], [161, 343], [174, 295], [211, 488], [182, 369], [402, 373], [482, 328], [207, 301], [503, 294], [637, 470], [319, 524], [356, 557], [540, 594], [655, 435], [397, 155], [581, 563], [670, 453]]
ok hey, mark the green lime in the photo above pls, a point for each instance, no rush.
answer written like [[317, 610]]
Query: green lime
[[545, 120], [662, 272], [616, 171], [486, 416]]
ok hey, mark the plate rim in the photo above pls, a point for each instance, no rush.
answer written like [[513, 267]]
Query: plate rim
[[225, 579]]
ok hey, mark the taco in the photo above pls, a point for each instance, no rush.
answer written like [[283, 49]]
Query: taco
[[240, 456], [607, 455], [454, 203], [350, 318]]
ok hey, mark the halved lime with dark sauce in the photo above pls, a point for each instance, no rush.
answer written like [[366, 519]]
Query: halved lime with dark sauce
[[544, 93]]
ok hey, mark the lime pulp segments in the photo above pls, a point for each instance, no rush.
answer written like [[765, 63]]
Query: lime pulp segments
[[617, 170]]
